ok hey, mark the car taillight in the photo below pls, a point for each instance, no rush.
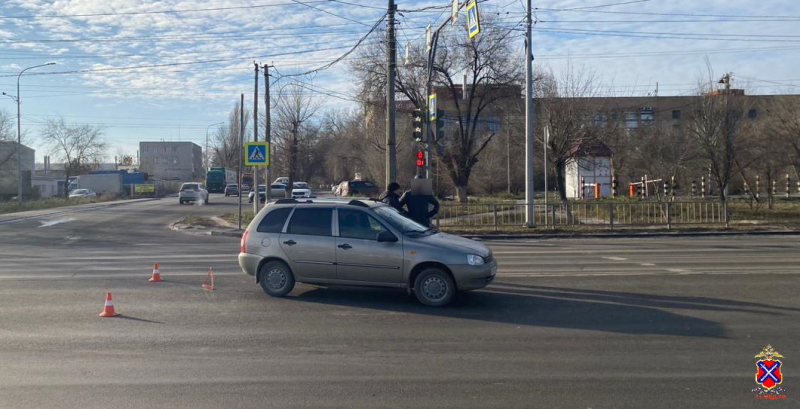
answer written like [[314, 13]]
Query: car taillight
[[243, 247]]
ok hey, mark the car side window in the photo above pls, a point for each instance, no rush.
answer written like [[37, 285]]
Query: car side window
[[357, 224], [273, 221], [313, 222]]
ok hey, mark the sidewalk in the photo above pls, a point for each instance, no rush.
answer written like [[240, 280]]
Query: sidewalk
[[11, 217]]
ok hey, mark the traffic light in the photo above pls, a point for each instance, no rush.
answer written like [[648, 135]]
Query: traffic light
[[417, 124], [439, 124], [420, 158]]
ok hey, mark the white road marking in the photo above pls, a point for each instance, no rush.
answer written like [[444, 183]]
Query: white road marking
[[615, 258], [55, 222], [648, 264], [112, 276]]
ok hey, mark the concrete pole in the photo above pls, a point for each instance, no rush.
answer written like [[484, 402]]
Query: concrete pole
[[391, 67], [256, 169], [241, 158], [267, 130], [529, 199]]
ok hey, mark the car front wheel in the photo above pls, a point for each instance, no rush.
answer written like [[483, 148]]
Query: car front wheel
[[276, 278], [434, 287]]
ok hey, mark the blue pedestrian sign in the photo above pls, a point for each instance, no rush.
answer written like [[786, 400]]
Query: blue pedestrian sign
[[256, 154], [473, 19], [432, 107]]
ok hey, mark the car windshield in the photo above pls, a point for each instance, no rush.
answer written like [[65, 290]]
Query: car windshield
[[278, 186], [301, 185], [398, 221], [79, 191], [361, 184]]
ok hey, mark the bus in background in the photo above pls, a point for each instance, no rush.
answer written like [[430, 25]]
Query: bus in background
[[217, 178]]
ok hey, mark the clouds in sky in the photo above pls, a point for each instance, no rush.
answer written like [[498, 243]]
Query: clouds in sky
[[204, 58]]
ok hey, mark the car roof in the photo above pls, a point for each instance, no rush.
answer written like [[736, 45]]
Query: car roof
[[330, 201]]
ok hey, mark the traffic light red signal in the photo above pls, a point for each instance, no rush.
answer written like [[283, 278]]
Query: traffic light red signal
[[420, 158]]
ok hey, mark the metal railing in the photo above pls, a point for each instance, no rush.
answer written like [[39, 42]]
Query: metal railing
[[600, 214]]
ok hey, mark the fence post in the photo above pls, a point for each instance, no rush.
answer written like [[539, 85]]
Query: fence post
[[553, 215], [669, 215], [494, 206], [727, 216], [611, 215]]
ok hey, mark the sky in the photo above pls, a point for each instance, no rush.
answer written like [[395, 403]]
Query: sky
[[148, 70]]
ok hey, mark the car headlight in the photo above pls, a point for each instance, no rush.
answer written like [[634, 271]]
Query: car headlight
[[474, 260]]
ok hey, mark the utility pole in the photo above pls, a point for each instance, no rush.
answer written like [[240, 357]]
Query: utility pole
[[267, 130], [529, 200], [391, 67], [241, 157], [256, 169]]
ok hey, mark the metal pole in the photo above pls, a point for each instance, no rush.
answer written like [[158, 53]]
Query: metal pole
[[19, 133], [544, 150], [241, 156], [267, 130], [529, 200], [257, 200], [391, 62]]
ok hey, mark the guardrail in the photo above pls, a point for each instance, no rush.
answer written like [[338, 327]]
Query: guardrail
[[639, 214]]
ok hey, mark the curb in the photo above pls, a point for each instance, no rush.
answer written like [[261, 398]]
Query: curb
[[227, 233]]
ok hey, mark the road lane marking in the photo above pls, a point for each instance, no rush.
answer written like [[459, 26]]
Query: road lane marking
[[615, 258], [112, 276], [648, 264]]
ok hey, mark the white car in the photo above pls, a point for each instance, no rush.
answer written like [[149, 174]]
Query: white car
[[301, 189], [193, 192], [79, 193]]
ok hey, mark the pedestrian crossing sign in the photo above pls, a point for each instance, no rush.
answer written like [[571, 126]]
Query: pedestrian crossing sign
[[473, 19], [256, 154]]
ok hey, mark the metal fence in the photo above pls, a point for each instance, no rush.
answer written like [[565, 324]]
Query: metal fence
[[644, 214]]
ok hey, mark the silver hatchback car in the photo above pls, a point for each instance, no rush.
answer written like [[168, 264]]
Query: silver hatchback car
[[360, 243]]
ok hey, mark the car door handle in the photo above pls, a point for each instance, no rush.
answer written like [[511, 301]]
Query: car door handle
[[345, 246], [290, 242]]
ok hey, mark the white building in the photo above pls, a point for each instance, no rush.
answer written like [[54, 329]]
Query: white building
[[47, 186], [589, 165]]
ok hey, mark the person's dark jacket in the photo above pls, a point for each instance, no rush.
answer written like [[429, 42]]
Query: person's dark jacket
[[392, 199], [418, 209]]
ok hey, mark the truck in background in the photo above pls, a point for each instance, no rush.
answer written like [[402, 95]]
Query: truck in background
[[218, 177], [247, 182], [99, 183]]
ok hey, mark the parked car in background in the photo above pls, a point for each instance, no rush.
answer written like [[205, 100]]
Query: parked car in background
[[301, 189], [232, 189], [277, 190], [193, 192], [362, 188], [283, 180], [362, 243], [79, 193]]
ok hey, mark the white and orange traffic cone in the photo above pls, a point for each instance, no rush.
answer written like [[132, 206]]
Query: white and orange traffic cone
[[208, 282], [108, 308], [156, 277]]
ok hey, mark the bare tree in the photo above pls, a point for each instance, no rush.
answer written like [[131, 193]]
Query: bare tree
[[294, 128], [567, 107], [719, 129], [494, 73], [786, 127], [8, 133], [226, 147], [77, 146]]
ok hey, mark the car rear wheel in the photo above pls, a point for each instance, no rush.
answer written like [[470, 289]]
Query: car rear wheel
[[434, 287], [276, 278]]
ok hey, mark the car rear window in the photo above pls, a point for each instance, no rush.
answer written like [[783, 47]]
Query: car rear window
[[189, 187], [314, 222], [273, 222]]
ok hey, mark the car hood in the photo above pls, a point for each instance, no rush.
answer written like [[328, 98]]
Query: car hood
[[456, 243]]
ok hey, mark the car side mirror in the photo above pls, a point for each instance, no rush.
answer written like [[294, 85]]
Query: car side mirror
[[386, 237]]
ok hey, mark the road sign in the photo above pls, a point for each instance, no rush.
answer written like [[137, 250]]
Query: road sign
[[432, 107], [142, 189], [473, 20], [256, 154]]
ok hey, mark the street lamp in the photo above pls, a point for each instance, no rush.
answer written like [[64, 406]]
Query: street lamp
[[19, 131], [206, 153]]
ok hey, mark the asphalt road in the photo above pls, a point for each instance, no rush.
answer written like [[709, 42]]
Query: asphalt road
[[579, 323]]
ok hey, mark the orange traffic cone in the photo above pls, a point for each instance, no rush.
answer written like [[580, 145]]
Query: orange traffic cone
[[156, 277], [208, 282], [108, 308]]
